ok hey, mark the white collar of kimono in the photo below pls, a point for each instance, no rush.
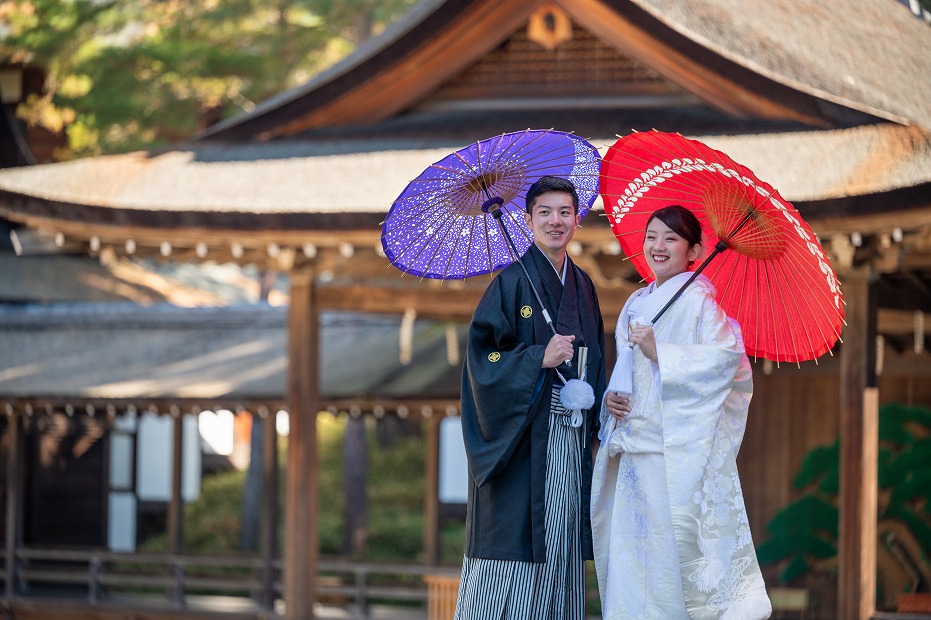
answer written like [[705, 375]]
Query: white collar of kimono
[[565, 265], [648, 304]]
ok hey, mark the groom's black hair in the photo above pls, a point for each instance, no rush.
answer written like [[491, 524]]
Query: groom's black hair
[[551, 184]]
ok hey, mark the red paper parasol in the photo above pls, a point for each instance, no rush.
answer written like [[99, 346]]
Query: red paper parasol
[[771, 273]]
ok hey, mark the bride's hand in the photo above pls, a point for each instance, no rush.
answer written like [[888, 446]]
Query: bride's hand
[[643, 337], [617, 405]]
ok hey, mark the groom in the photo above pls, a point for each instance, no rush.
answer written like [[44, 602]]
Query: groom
[[527, 528]]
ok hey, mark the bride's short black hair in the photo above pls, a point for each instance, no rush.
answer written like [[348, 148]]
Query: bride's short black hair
[[681, 221]]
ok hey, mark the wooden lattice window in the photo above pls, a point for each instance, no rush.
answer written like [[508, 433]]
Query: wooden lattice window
[[582, 66]]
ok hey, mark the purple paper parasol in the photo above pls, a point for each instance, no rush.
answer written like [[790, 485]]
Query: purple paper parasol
[[443, 226]]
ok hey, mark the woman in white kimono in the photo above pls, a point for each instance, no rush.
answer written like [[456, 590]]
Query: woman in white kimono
[[671, 536]]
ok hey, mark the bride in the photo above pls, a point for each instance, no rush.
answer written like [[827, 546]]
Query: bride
[[671, 535]]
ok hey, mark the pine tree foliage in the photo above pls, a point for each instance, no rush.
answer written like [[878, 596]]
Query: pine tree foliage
[[805, 532]]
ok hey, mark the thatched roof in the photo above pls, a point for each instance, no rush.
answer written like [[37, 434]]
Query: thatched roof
[[53, 278], [862, 54], [126, 351], [302, 185]]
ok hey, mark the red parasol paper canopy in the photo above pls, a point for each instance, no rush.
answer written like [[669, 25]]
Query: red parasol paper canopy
[[770, 271]]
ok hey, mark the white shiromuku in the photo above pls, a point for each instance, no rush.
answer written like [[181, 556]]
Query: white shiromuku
[[671, 534]]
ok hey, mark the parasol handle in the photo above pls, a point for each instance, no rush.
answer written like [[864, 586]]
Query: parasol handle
[[496, 212], [546, 315], [719, 247]]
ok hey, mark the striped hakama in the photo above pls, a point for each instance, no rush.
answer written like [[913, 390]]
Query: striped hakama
[[515, 590]]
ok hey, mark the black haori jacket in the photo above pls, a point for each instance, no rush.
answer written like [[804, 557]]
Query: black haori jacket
[[506, 402]]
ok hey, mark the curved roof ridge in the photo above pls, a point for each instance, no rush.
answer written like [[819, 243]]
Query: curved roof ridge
[[759, 57]]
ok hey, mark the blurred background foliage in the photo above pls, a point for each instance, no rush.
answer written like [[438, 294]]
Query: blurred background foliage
[[395, 493], [123, 75]]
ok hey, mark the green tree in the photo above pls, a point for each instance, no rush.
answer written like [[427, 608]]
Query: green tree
[[136, 74]]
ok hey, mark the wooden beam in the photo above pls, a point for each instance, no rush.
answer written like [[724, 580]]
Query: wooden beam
[[859, 437], [182, 238], [904, 290], [900, 322], [429, 302], [300, 544], [444, 304]]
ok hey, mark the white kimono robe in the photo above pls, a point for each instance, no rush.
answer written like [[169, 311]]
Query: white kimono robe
[[671, 535]]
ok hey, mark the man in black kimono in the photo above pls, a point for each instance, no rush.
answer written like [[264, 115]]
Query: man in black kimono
[[528, 529]]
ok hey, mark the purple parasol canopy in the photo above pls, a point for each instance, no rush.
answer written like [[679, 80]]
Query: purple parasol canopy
[[443, 224]]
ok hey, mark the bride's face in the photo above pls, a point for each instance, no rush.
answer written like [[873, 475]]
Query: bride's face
[[668, 254]]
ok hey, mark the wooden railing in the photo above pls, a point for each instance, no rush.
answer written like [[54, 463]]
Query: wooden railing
[[185, 582]]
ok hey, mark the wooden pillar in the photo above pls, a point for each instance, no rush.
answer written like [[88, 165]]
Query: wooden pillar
[[176, 503], [859, 437], [14, 501], [300, 544], [269, 520], [431, 543], [176, 508]]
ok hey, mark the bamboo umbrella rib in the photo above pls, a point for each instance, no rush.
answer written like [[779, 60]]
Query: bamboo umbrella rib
[[448, 229], [813, 295], [459, 236], [804, 302], [789, 268], [485, 223], [468, 239], [740, 291], [806, 320], [521, 229], [768, 313]]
